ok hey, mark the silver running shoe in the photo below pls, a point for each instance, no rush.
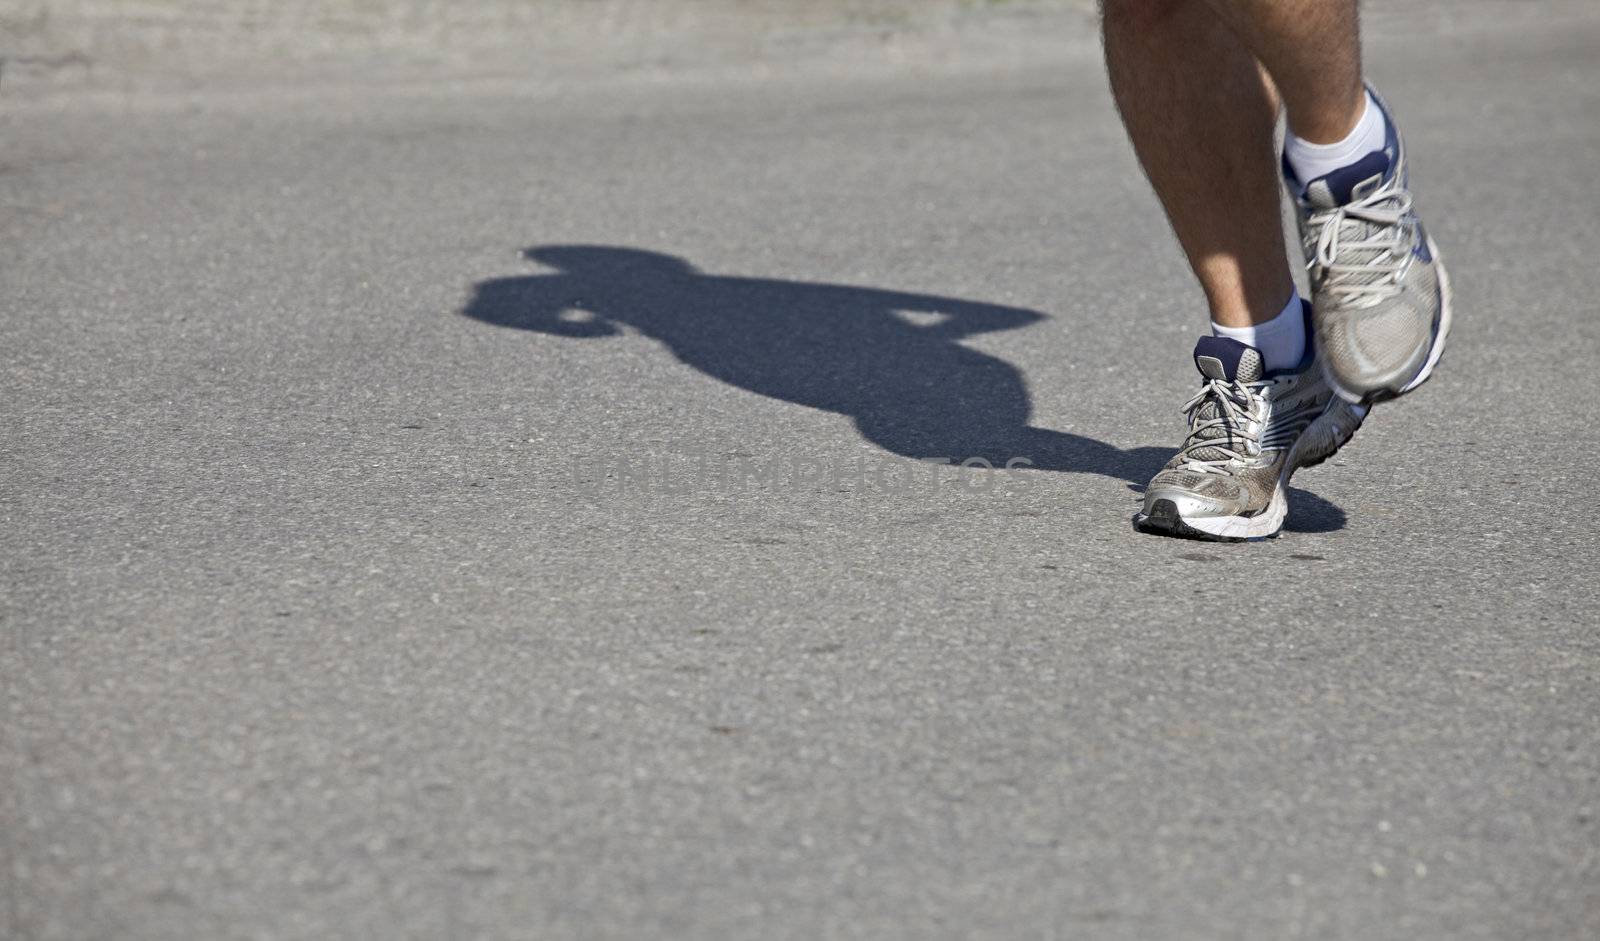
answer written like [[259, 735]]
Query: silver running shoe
[[1379, 290], [1248, 434]]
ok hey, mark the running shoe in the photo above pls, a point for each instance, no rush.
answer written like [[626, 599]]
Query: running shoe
[[1379, 290], [1249, 431]]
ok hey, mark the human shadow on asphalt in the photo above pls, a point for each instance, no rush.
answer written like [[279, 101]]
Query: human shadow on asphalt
[[890, 361]]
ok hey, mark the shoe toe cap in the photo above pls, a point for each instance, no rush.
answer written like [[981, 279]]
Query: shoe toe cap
[[1379, 350]]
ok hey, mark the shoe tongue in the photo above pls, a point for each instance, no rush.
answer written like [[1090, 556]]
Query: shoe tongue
[[1348, 184], [1227, 359]]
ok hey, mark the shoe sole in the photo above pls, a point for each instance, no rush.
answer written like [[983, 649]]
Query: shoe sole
[[1435, 353], [1165, 520]]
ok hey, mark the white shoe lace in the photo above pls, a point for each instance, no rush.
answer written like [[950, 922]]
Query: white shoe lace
[[1375, 255], [1239, 406]]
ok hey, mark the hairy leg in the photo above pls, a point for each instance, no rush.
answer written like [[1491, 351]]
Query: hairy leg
[[1201, 117], [1312, 48]]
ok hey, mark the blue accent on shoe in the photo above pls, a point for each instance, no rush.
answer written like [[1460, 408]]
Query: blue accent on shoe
[[1422, 251], [1218, 357], [1342, 183]]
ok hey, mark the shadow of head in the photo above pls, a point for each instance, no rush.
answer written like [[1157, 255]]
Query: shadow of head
[[589, 287]]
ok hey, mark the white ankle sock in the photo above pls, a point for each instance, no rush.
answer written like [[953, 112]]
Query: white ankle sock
[[1281, 340], [1310, 161]]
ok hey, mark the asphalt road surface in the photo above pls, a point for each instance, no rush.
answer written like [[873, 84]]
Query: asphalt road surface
[[483, 510]]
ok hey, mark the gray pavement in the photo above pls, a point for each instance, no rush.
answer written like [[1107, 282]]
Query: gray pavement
[[488, 509]]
